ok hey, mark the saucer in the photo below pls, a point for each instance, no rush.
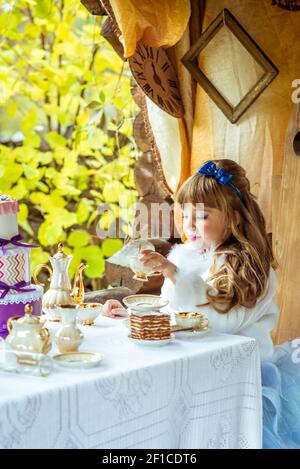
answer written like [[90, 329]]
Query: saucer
[[145, 303], [191, 334], [152, 343], [78, 359]]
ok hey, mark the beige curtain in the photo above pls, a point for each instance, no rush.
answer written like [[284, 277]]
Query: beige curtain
[[156, 22]]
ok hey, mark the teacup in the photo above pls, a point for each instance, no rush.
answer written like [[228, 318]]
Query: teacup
[[191, 320], [86, 313], [141, 272]]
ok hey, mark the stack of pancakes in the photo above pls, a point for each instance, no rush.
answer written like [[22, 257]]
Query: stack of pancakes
[[150, 326]]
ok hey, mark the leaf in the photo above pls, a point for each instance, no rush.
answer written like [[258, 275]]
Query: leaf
[[93, 256], [19, 191], [45, 158], [106, 220], [78, 238], [113, 191], [63, 217], [110, 246], [38, 80], [50, 233], [51, 202], [43, 8], [23, 213], [12, 109], [22, 219], [42, 186], [94, 105], [84, 208], [102, 96], [97, 138], [128, 198], [29, 122], [38, 256], [13, 172], [26, 227], [83, 118], [30, 172], [55, 140], [32, 139]]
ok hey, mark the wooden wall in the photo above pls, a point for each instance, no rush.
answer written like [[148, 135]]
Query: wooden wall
[[287, 237]]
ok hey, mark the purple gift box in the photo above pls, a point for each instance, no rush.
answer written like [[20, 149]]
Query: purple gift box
[[13, 305], [10, 310]]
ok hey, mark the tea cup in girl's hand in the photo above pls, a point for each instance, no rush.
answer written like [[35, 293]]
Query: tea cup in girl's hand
[[158, 263]]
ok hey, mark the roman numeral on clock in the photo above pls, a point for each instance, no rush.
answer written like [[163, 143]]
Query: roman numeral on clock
[[169, 104], [176, 97], [172, 83], [165, 66], [140, 75], [137, 62], [149, 51], [141, 52], [147, 88], [160, 101], [157, 56]]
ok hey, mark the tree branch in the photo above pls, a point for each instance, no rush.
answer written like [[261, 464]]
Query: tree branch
[[43, 39], [85, 82]]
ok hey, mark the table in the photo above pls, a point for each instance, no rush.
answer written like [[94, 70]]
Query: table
[[193, 393]]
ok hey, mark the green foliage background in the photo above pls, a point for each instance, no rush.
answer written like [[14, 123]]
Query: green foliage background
[[66, 145]]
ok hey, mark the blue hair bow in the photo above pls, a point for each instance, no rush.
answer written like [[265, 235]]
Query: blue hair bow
[[210, 169]]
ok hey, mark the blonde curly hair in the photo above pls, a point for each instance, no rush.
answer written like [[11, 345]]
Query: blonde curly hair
[[243, 278]]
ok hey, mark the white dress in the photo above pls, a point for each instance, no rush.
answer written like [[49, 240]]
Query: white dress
[[190, 289]]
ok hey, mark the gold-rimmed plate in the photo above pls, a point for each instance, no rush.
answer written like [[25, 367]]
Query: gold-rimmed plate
[[145, 303], [152, 343], [78, 359], [191, 333]]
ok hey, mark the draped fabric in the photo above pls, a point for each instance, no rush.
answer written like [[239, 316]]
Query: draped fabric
[[155, 22], [281, 398], [171, 144]]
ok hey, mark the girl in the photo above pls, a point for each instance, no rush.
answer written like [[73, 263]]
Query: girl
[[226, 268]]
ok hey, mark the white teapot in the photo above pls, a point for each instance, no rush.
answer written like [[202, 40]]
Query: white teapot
[[27, 334], [60, 291]]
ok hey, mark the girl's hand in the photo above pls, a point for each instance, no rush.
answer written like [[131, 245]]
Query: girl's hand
[[113, 309], [158, 263]]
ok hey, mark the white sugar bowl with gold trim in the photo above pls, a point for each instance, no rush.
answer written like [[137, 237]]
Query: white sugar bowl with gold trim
[[27, 334]]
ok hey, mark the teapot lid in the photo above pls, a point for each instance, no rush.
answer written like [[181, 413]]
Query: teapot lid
[[60, 251], [28, 318]]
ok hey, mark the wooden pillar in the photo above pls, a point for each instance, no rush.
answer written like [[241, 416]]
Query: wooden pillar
[[287, 238]]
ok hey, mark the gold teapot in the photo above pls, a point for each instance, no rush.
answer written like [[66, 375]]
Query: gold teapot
[[27, 334], [60, 291]]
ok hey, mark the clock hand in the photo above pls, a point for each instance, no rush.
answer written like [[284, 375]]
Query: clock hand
[[156, 78]]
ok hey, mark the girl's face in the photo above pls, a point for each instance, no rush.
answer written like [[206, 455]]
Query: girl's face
[[203, 225]]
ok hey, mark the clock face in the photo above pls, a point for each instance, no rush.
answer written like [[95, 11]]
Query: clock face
[[155, 74]]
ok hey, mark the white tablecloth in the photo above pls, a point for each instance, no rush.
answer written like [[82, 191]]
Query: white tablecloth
[[196, 393]]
